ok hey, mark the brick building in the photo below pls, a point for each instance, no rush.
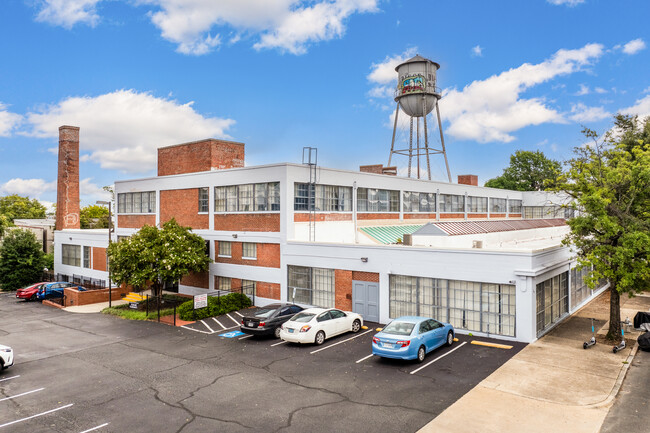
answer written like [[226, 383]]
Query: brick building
[[489, 261]]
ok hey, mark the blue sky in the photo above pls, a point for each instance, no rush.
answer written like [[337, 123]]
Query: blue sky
[[278, 75]]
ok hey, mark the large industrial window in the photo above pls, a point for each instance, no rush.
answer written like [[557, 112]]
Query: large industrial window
[[547, 212], [312, 286], [514, 206], [324, 198], [249, 250], [223, 284], [86, 257], [377, 200], [452, 203], [552, 301], [71, 255], [136, 202], [225, 249], [498, 205], [477, 204], [473, 306], [259, 197], [204, 200], [248, 287], [579, 288], [419, 201]]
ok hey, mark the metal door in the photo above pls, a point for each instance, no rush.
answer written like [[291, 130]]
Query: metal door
[[365, 300]]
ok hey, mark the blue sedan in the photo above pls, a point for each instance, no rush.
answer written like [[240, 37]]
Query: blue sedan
[[412, 337], [56, 290]]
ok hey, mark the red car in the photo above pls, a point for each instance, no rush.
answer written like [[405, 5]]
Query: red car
[[29, 293]]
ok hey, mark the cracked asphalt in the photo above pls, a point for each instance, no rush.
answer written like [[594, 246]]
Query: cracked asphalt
[[150, 377]]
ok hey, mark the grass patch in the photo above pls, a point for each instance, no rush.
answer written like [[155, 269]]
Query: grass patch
[[127, 313]]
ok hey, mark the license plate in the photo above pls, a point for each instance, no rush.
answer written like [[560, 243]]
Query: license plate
[[289, 329], [389, 345], [250, 324]]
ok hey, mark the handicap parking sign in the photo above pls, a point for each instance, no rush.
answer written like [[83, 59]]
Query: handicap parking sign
[[232, 334]]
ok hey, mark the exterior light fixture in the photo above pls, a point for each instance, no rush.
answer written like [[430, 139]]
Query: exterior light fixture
[[364, 259], [234, 235]]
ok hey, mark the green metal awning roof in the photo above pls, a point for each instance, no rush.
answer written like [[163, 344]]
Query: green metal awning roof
[[389, 234]]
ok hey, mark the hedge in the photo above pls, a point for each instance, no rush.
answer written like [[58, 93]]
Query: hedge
[[217, 305]]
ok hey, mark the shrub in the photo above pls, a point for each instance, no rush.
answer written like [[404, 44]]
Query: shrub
[[216, 306]]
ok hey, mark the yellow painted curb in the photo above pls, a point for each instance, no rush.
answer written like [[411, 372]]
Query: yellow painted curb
[[455, 339], [364, 327], [498, 346], [379, 329]]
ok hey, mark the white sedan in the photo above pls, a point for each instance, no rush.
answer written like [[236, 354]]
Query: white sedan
[[314, 325], [6, 357]]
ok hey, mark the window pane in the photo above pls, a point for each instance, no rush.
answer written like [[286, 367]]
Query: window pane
[[204, 200], [261, 197], [231, 199], [220, 199], [225, 248], [249, 250], [274, 196]]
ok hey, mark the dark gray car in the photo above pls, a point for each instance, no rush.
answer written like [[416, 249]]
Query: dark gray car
[[267, 320]]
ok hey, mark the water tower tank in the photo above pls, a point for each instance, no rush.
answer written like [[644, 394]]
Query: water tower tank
[[416, 86]]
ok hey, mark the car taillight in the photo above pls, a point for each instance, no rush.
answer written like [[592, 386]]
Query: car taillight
[[403, 343], [262, 324], [375, 340], [305, 328], [242, 322]]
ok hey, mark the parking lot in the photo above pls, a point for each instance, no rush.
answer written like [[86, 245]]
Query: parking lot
[[90, 372]]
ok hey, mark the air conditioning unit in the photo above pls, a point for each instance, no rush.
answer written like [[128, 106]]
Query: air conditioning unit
[[408, 239], [477, 244]]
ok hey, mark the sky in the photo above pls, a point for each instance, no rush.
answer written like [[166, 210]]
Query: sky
[[280, 75]]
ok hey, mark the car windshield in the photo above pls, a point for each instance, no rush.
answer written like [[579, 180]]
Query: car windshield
[[399, 328], [265, 312], [302, 317]]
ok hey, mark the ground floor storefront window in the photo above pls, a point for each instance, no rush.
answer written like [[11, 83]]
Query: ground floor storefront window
[[311, 286], [473, 306], [552, 301]]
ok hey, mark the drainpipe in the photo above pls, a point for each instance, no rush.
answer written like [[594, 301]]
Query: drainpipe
[[354, 211]]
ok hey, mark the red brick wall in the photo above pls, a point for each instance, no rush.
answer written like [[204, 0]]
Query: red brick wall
[[377, 216], [268, 255], [67, 186], [418, 216], [99, 259], [183, 204], [197, 279], [374, 168], [497, 215], [199, 156], [365, 276], [268, 290], [452, 215], [468, 179], [515, 215], [266, 222], [343, 289], [304, 217], [135, 221], [73, 297], [477, 215]]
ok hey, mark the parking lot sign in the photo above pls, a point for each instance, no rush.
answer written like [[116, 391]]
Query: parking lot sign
[[200, 301]]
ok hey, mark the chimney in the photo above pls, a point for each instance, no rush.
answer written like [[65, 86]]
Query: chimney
[[67, 187], [468, 179], [378, 169]]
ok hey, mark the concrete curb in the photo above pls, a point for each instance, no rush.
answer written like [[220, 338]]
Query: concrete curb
[[619, 381]]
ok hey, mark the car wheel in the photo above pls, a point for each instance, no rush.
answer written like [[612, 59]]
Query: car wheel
[[450, 338], [356, 325], [33, 298], [277, 332], [422, 353], [320, 338]]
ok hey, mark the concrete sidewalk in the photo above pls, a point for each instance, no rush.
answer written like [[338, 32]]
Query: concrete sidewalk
[[552, 385], [93, 308]]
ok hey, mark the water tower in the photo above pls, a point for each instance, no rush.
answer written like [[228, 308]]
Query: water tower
[[417, 95]]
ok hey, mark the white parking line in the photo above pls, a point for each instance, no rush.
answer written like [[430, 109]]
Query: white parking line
[[195, 330], [247, 336], [95, 428], [441, 356], [207, 326], [332, 345], [37, 415], [277, 344], [364, 358], [9, 378], [232, 318], [219, 323], [237, 313], [20, 395]]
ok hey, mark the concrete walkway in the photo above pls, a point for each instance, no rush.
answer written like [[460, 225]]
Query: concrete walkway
[[552, 385]]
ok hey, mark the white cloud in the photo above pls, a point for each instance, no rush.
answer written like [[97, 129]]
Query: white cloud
[[600, 90], [570, 3], [67, 13], [8, 121], [489, 110], [477, 51], [583, 114], [383, 74], [640, 108], [584, 90], [634, 46], [91, 192], [27, 187], [123, 129]]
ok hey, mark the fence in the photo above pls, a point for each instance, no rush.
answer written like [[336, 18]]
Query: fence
[[86, 282]]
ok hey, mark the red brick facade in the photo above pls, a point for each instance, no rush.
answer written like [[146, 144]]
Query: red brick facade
[[452, 215], [343, 289], [183, 204], [197, 156], [73, 297], [67, 186], [497, 215], [468, 179], [197, 279], [268, 290], [99, 259], [377, 216], [419, 216], [135, 221], [250, 222], [304, 217], [365, 276], [268, 255]]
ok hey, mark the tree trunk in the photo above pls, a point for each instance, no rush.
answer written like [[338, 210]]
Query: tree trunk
[[614, 332]]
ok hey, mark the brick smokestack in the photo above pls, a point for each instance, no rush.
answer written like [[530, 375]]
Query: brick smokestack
[[67, 187]]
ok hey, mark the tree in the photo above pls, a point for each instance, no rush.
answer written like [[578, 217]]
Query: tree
[[609, 182], [528, 171], [4, 224], [17, 207], [155, 256], [93, 217], [21, 259]]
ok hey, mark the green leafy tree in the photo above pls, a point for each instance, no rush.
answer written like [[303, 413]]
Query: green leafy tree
[[528, 171], [609, 181], [93, 217], [155, 256], [21, 259], [4, 224], [17, 207]]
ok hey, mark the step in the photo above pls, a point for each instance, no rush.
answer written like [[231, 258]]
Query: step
[[134, 297]]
